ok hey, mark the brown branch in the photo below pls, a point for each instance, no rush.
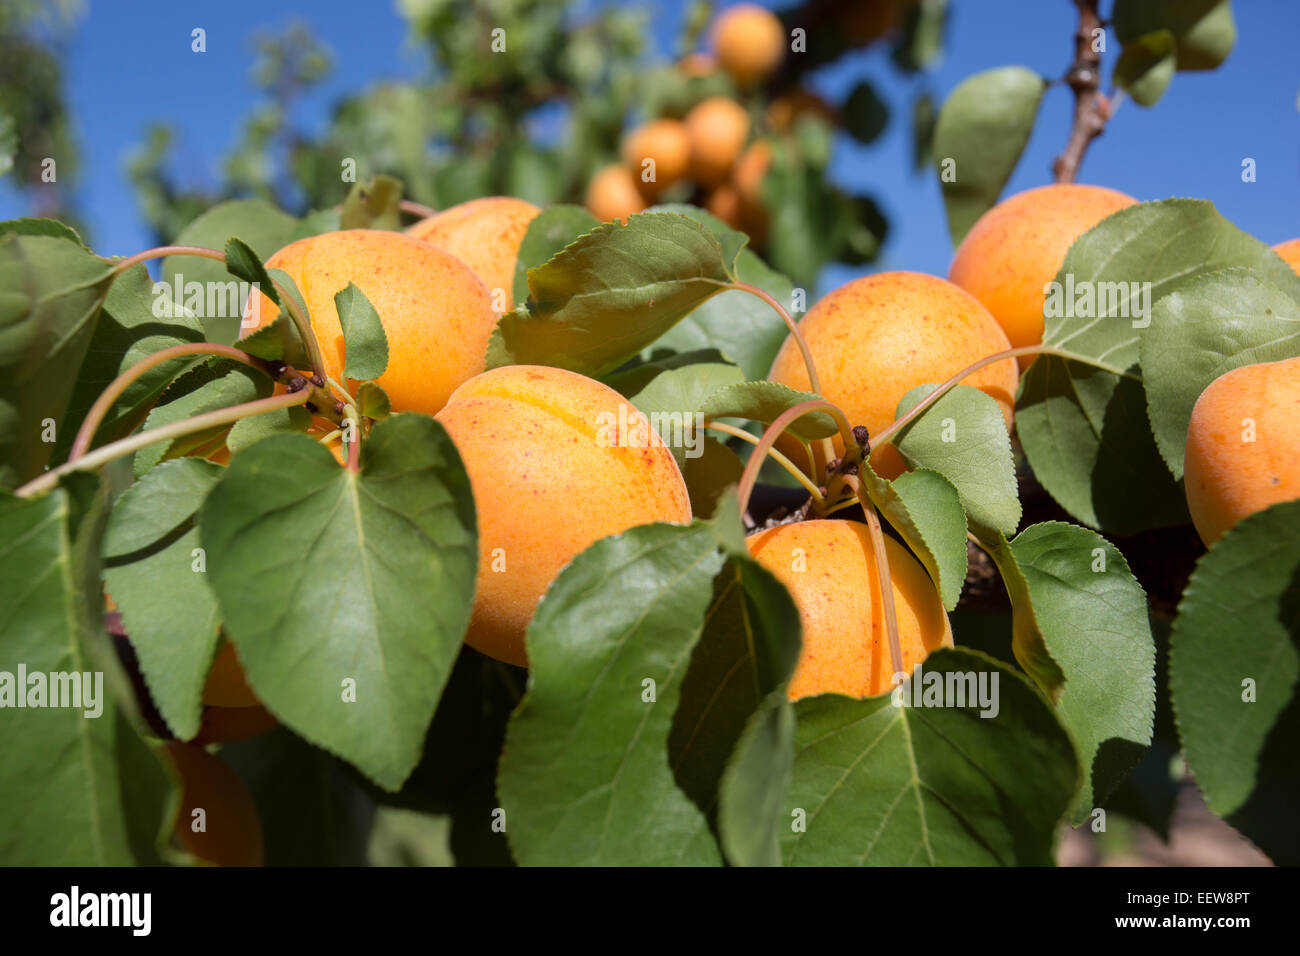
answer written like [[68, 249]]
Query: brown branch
[[1084, 77]]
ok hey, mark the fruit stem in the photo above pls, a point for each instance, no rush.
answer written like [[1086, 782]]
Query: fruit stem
[[749, 477], [303, 324], [132, 443], [814, 381], [775, 455], [161, 252], [95, 417], [354, 446], [416, 209], [882, 576]]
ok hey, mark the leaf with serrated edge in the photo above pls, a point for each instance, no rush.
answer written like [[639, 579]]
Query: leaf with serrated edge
[[765, 402], [893, 786], [1239, 621], [549, 232], [365, 342], [326, 577]]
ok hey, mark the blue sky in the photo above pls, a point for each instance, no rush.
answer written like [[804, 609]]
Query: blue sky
[[129, 63]]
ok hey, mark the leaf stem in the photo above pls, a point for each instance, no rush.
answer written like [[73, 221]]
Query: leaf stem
[[416, 209], [161, 252], [882, 576], [775, 455], [750, 475], [95, 417], [132, 443]]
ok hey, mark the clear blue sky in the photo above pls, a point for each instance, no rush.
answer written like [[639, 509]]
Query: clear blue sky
[[129, 63]]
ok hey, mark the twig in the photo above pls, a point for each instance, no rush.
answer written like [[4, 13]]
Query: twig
[[1084, 77]]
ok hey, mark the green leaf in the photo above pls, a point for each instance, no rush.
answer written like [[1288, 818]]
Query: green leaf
[[549, 232], [263, 227], [864, 113], [86, 788], [963, 437], [365, 343], [40, 227], [608, 295], [1085, 429], [1234, 670], [139, 318], [373, 205], [313, 812], [589, 742], [372, 401], [248, 431], [924, 508], [1145, 66], [53, 289], [765, 402], [1093, 617], [877, 784], [154, 574], [278, 341], [331, 581], [1204, 30], [243, 263], [671, 401], [1207, 326], [753, 788], [218, 383], [981, 131], [8, 142]]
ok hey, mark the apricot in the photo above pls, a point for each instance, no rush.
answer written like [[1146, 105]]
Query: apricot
[[484, 234], [228, 832], [549, 478], [697, 64], [718, 128], [1290, 253], [1016, 248], [664, 141], [226, 725], [724, 202], [749, 42], [436, 313], [784, 111], [878, 337], [227, 686], [613, 193], [829, 569], [1243, 446]]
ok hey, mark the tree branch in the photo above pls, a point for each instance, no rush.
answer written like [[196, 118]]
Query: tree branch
[[1084, 77]]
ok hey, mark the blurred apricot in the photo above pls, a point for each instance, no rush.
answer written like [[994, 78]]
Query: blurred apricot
[[829, 569], [697, 64], [613, 193], [1243, 446], [218, 821], [227, 685], [878, 337], [484, 234], [1016, 248], [749, 42], [724, 202], [227, 725], [718, 128], [664, 141], [785, 110]]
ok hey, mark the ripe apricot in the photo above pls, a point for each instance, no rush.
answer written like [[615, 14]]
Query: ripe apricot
[[226, 725], [484, 234], [878, 337], [697, 64], [228, 832], [549, 478], [436, 313], [724, 202], [749, 41], [613, 194], [1290, 253], [1016, 248], [829, 569], [227, 686], [1243, 446], [718, 128], [664, 141]]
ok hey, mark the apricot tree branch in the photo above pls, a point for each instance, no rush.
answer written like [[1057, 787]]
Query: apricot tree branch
[[749, 477], [1084, 78]]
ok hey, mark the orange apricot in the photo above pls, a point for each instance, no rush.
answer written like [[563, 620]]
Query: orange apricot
[[1016, 248], [829, 569], [613, 193], [549, 476], [784, 111], [1290, 253], [878, 337], [218, 821], [749, 42], [697, 64], [484, 234], [436, 313], [1243, 446], [718, 128], [665, 142], [227, 685], [724, 202], [225, 725]]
